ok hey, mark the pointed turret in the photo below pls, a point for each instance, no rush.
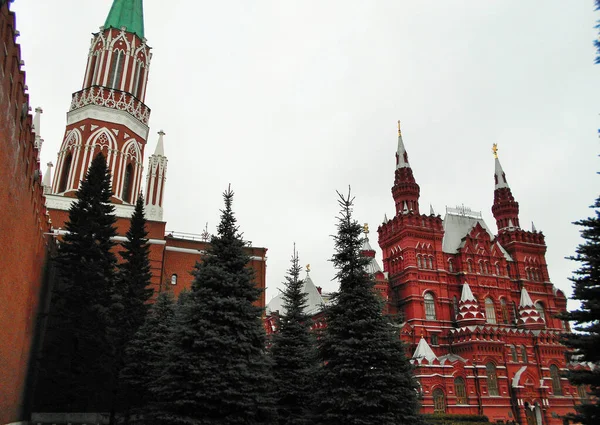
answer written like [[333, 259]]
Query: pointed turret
[[529, 317], [406, 191], [468, 308], [36, 129], [155, 181], [127, 14], [367, 250], [47, 180], [505, 208], [424, 351]]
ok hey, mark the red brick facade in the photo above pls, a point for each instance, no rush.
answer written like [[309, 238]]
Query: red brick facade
[[24, 224], [477, 309]]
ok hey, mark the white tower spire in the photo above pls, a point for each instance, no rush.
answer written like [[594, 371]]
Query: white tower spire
[[155, 181]]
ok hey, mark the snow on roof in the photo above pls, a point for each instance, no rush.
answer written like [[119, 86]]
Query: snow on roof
[[467, 294], [525, 299], [314, 302], [458, 222], [424, 351]]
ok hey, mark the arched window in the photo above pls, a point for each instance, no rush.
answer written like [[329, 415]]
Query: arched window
[[116, 70], [127, 183], [139, 81], [540, 309], [524, 353], [492, 379], [486, 267], [460, 390], [470, 266], [504, 311], [450, 266], [490, 311], [514, 313], [66, 168], [429, 306], [555, 376], [173, 279], [497, 269], [431, 263], [513, 354], [481, 267], [439, 401], [418, 261]]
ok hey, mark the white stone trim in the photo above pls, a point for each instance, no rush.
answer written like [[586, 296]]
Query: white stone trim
[[64, 203], [110, 116]]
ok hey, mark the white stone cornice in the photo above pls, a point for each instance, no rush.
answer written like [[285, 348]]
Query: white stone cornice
[[59, 202], [109, 115]]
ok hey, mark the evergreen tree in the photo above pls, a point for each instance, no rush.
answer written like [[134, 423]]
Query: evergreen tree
[[130, 297], [294, 354], [217, 370], [366, 378], [597, 40], [586, 289], [143, 357], [76, 363]]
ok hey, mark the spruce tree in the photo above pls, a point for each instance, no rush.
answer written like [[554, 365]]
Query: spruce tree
[[366, 378], [76, 364], [130, 297], [143, 358], [294, 354], [586, 289], [217, 370]]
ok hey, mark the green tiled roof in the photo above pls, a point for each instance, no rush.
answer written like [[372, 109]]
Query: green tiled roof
[[128, 14]]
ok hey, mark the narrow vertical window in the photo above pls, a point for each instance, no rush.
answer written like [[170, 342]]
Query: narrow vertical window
[[429, 306], [513, 354], [455, 307], [439, 401], [173, 279], [524, 353], [497, 269], [450, 266], [490, 311], [504, 311], [66, 168], [460, 390], [492, 379], [555, 376], [540, 309], [127, 180], [582, 393], [418, 261], [92, 70], [470, 266], [116, 70]]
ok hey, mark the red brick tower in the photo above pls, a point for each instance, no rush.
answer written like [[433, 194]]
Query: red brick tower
[[108, 115]]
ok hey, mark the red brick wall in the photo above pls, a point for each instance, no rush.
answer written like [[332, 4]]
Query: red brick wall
[[22, 225]]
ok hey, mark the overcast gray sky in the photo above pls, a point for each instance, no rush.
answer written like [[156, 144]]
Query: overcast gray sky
[[290, 100]]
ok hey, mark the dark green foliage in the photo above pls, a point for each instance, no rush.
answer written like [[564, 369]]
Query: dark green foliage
[[586, 289], [144, 353], [366, 378], [76, 364], [130, 296], [597, 40], [294, 354], [216, 371]]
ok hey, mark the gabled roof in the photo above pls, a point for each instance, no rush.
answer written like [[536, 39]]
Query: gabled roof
[[314, 302], [458, 223]]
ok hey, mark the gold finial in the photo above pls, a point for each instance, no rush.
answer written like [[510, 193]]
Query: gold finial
[[366, 228], [308, 268], [399, 131], [495, 150]]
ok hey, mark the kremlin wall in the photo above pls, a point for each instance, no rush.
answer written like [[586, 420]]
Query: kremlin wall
[[476, 309]]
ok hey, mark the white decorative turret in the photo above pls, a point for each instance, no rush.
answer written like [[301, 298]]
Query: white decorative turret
[[424, 351], [468, 308], [36, 129], [499, 176], [529, 317], [47, 180], [155, 181]]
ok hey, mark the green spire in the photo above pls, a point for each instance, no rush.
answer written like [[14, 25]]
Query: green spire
[[128, 14]]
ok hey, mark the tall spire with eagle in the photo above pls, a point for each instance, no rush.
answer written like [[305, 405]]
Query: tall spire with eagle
[[405, 191]]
